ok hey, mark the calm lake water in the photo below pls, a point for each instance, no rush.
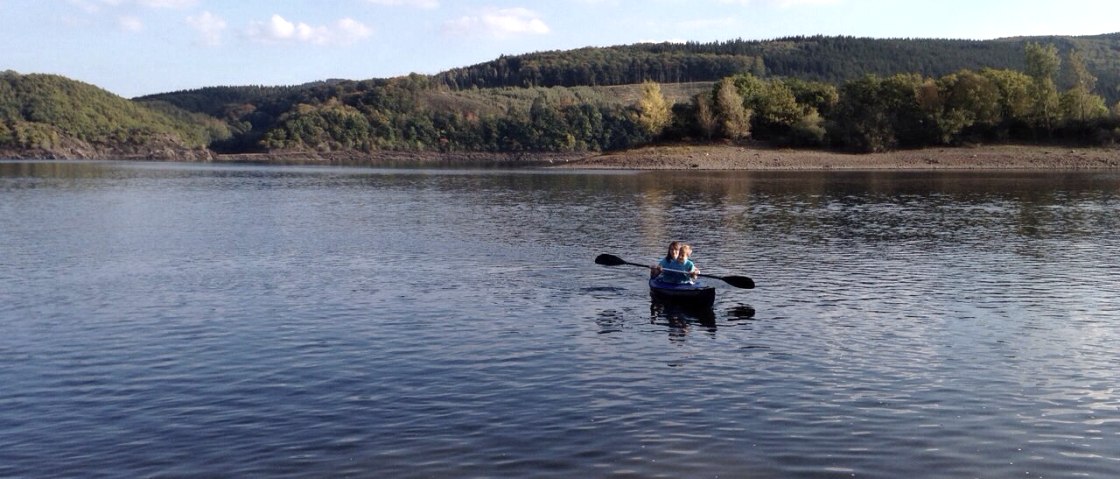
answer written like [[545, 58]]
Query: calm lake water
[[180, 320]]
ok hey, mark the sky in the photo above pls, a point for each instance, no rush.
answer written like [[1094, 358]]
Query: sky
[[139, 47]]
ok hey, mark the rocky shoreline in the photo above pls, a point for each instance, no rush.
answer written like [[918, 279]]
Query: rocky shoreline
[[725, 157], [729, 157], [663, 157]]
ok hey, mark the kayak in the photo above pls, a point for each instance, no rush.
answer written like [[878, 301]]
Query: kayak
[[694, 295]]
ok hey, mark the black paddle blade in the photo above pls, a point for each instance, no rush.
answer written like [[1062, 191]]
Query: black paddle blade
[[609, 260], [739, 281]]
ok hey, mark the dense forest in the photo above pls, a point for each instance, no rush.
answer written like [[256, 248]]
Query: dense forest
[[50, 115], [833, 60], [847, 93]]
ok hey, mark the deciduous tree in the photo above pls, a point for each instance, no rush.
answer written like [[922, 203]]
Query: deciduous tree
[[734, 118], [652, 109], [1042, 66]]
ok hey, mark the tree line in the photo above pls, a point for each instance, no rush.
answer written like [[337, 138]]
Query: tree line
[[1053, 97], [869, 113], [829, 59], [49, 112]]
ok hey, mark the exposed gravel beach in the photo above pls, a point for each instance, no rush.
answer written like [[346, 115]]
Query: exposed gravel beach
[[664, 157], [730, 157]]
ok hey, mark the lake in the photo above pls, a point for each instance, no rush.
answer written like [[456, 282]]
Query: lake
[[189, 320]]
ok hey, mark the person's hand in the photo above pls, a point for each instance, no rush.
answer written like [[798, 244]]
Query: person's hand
[[695, 273]]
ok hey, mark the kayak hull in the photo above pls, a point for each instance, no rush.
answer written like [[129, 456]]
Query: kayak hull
[[692, 295]]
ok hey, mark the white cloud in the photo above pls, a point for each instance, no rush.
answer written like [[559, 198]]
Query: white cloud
[[500, 23], [350, 30], [279, 30], [428, 4], [209, 26]]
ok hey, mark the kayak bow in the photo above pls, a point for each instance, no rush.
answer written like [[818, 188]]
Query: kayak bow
[[695, 295]]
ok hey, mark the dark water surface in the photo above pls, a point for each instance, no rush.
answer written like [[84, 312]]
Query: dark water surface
[[187, 320]]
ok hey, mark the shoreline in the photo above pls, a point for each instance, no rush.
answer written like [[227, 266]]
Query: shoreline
[[731, 157], [725, 157], [714, 157]]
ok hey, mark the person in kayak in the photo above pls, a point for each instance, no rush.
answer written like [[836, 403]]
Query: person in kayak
[[676, 259]]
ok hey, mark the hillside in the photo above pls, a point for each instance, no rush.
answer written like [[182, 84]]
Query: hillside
[[832, 60], [49, 115], [856, 94]]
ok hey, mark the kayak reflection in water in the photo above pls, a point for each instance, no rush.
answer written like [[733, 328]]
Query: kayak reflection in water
[[678, 317], [675, 267]]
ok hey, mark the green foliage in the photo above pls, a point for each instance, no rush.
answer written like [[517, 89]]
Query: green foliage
[[1079, 103], [861, 120], [1014, 92], [853, 93], [967, 101], [732, 115], [41, 111], [832, 60]]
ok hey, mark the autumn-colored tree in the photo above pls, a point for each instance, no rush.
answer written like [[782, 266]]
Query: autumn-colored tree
[[734, 118], [653, 112], [705, 114]]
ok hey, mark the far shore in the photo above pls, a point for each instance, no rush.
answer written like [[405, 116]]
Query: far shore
[[731, 157], [662, 157]]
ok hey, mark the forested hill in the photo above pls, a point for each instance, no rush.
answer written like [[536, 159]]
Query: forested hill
[[50, 115], [818, 58], [822, 92]]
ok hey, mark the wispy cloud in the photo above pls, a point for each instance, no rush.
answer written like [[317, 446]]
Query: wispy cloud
[[279, 30], [498, 23], [209, 26], [428, 4]]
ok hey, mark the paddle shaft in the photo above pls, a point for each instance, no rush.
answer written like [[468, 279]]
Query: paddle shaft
[[736, 281], [671, 270]]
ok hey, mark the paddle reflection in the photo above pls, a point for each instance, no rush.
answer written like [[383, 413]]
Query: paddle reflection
[[740, 312]]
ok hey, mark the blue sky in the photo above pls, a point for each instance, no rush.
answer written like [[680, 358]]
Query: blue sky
[[137, 47]]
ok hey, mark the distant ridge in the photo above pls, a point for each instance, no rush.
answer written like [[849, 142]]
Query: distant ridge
[[832, 59], [861, 94]]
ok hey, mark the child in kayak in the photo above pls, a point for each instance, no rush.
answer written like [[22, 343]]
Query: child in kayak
[[676, 259]]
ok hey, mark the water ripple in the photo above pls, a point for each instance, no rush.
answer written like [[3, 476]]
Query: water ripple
[[171, 320]]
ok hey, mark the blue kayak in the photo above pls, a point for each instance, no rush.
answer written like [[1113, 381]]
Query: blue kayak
[[694, 295]]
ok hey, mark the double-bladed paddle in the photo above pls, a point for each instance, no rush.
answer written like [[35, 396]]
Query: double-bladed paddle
[[736, 281]]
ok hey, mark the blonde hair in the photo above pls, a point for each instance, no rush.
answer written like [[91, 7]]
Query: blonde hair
[[686, 250]]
